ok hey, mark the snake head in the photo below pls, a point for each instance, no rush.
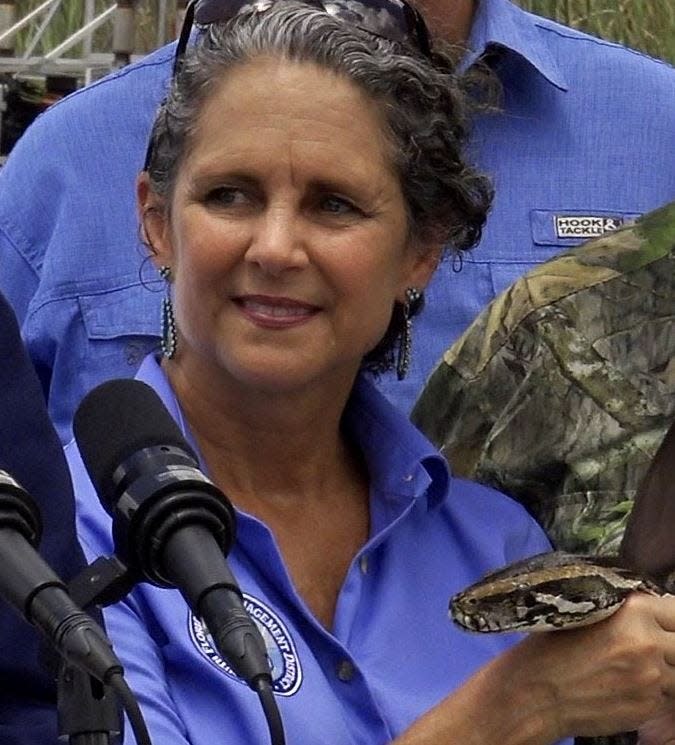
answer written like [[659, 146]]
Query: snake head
[[543, 598]]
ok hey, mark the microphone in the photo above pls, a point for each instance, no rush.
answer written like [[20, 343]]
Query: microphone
[[171, 525], [29, 584]]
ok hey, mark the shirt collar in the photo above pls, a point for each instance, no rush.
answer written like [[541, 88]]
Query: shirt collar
[[401, 462], [151, 373], [501, 24]]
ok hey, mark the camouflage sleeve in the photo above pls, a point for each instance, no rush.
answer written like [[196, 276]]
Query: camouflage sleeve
[[562, 389]]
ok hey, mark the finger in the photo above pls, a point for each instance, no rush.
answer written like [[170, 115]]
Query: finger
[[667, 641], [664, 612], [660, 730], [668, 688]]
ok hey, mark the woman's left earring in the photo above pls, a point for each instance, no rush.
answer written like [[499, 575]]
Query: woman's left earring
[[414, 299], [169, 337]]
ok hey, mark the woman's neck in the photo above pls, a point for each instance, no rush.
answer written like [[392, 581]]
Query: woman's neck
[[263, 447]]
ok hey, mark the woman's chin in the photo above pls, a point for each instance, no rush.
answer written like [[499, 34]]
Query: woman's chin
[[270, 377], [289, 376]]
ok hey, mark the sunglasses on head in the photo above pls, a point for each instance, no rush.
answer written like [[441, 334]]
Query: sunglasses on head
[[394, 20]]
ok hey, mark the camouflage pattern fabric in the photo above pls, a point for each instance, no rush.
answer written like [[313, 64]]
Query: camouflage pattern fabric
[[561, 391]]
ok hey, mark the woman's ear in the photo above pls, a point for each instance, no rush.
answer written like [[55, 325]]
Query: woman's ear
[[154, 225], [423, 264]]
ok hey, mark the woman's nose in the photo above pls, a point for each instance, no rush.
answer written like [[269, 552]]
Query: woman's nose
[[278, 242]]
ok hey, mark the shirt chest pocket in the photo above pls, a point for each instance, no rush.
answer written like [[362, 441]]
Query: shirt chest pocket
[[568, 228], [126, 311], [556, 231], [124, 321]]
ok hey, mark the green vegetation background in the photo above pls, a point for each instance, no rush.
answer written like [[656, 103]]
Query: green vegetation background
[[646, 25]]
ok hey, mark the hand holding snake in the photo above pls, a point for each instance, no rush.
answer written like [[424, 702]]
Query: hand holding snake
[[615, 674]]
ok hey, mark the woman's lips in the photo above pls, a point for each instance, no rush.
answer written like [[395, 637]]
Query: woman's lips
[[275, 312]]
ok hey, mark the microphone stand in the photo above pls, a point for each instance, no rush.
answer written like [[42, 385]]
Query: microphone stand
[[89, 711]]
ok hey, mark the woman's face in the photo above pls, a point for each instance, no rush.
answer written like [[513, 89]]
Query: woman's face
[[287, 232]]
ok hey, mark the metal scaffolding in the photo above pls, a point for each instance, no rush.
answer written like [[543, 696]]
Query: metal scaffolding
[[77, 59], [56, 61]]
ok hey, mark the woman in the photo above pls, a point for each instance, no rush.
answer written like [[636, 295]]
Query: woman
[[302, 177]]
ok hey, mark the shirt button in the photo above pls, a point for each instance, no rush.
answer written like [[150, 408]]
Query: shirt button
[[345, 670], [408, 478], [363, 563]]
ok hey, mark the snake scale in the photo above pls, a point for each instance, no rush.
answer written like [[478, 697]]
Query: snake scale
[[549, 591], [553, 590]]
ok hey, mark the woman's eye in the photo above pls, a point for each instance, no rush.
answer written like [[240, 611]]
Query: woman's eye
[[337, 206], [226, 196]]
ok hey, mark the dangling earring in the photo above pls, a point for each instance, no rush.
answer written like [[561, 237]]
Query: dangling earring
[[168, 342], [412, 305]]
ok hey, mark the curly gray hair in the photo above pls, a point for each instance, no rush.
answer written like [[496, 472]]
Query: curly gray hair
[[425, 106]]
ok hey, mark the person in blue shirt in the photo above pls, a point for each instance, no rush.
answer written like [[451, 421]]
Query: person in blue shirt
[[302, 178], [583, 143]]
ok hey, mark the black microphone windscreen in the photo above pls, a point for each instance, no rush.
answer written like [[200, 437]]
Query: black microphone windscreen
[[117, 419]]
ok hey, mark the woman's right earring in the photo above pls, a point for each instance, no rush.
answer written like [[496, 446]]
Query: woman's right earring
[[169, 337]]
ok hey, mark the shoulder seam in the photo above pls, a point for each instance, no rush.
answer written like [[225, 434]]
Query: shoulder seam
[[15, 247], [583, 36], [111, 78]]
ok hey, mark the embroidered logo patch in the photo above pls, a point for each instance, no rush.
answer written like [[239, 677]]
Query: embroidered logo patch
[[281, 652], [585, 226]]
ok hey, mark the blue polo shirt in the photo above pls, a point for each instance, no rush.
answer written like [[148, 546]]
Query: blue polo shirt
[[392, 654], [584, 143]]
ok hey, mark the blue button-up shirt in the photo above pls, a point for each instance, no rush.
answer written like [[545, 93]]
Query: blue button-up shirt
[[584, 143], [392, 653]]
